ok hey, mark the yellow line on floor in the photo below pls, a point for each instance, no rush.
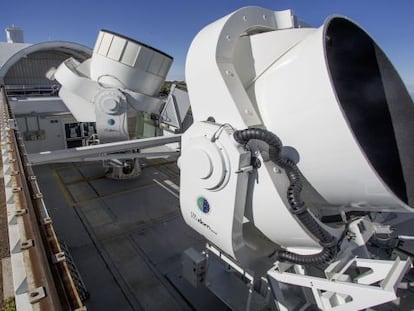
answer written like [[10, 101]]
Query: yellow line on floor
[[62, 188]]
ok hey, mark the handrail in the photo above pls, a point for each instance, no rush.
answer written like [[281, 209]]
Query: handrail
[[32, 90], [41, 275]]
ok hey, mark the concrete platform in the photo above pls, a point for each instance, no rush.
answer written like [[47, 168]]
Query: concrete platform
[[126, 236]]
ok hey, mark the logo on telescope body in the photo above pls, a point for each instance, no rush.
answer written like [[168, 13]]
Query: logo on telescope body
[[203, 205]]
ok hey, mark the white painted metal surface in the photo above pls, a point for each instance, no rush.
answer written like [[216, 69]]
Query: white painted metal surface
[[219, 45], [288, 89], [216, 45], [83, 96], [341, 292], [124, 63], [267, 72], [207, 168], [312, 120], [93, 152], [121, 78]]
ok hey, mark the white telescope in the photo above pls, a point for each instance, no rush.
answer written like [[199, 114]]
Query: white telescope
[[122, 77], [329, 93], [121, 80], [298, 125]]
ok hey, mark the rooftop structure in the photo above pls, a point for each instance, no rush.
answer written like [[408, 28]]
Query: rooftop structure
[[321, 222], [24, 65], [14, 34], [32, 95]]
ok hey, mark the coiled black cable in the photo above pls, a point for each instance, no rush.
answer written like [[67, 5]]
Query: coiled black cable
[[297, 206]]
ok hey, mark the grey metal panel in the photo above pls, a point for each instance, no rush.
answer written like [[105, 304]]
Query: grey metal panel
[[127, 239], [81, 191], [69, 174], [147, 288], [172, 232], [45, 106], [105, 292], [105, 186]]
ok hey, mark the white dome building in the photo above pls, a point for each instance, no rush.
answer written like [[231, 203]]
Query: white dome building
[[43, 119]]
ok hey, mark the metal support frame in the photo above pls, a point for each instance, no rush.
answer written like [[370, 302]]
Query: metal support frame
[[106, 151], [341, 291]]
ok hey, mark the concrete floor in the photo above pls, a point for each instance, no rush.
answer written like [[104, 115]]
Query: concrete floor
[[126, 236]]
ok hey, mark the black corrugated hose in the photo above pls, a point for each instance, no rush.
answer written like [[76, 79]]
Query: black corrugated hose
[[297, 206]]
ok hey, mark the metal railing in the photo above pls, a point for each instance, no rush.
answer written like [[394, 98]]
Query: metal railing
[[32, 90], [42, 278]]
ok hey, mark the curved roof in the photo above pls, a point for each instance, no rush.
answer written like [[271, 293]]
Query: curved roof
[[7, 50], [13, 53]]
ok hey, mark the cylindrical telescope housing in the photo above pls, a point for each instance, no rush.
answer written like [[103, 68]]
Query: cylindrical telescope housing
[[118, 61], [338, 100]]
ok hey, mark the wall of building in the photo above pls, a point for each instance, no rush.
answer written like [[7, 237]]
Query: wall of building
[[47, 133], [41, 133]]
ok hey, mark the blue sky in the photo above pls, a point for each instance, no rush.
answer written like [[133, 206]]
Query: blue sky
[[171, 25]]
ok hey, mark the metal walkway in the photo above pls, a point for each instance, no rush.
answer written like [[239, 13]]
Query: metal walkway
[[126, 236]]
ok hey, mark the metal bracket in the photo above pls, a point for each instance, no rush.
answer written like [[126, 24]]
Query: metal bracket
[[37, 294], [47, 221], [194, 266], [12, 124], [38, 195], [26, 244], [59, 257], [20, 212]]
